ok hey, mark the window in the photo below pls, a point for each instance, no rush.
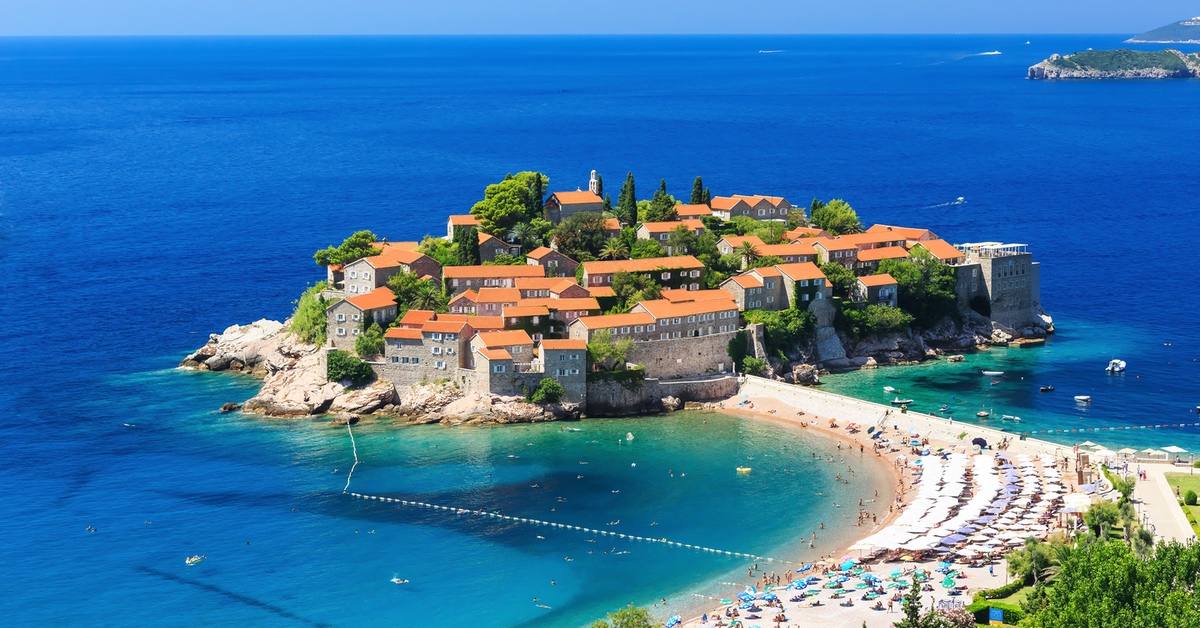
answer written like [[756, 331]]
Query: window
[[770, 299], [440, 365], [762, 212], [450, 336], [354, 274], [695, 273], [783, 210], [666, 275], [367, 276], [574, 371], [597, 279], [355, 332], [664, 336], [404, 360], [341, 318], [341, 331], [354, 288], [691, 319], [499, 368], [517, 349], [416, 360], [677, 321], [437, 351], [437, 336], [675, 335], [638, 329], [624, 330], [355, 317], [837, 254], [695, 286], [804, 297], [395, 359]]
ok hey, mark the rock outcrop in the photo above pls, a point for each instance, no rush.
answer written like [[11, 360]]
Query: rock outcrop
[[1118, 64]]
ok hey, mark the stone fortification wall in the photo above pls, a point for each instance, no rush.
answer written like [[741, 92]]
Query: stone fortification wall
[[609, 398], [684, 357]]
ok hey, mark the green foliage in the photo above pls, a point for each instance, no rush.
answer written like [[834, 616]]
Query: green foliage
[[607, 353], [1101, 518], [698, 192], [509, 202], [444, 252], [753, 366], [308, 319], [631, 288], [504, 259], [874, 319], [1106, 585], [785, 330], [548, 391], [914, 618], [662, 206], [614, 248], [530, 235], [369, 342], [681, 241], [630, 379], [629, 617], [797, 217], [466, 247], [643, 249], [581, 236], [842, 278], [748, 254], [412, 292], [925, 287], [742, 225], [737, 347], [1189, 498], [1123, 59], [1030, 561], [626, 209], [342, 366], [767, 261], [355, 247], [836, 217]]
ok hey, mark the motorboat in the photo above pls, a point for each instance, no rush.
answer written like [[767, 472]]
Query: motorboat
[[889, 389], [1045, 389], [398, 580], [944, 408], [983, 414], [1009, 417], [194, 560], [901, 402], [628, 435], [995, 382], [1115, 366], [1083, 398], [993, 373], [744, 469]]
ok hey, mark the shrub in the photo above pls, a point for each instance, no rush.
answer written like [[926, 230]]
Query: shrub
[[737, 347], [1189, 498], [875, 319], [548, 391], [753, 366], [370, 342], [785, 330], [341, 366], [308, 320]]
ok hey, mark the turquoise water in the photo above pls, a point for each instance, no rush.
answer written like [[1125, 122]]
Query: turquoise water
[[1159, 386]]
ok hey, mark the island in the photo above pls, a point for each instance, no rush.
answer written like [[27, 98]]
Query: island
[[1182, 32], [1123, 63]]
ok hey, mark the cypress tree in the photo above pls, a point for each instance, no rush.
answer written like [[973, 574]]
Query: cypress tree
[[600, 185], [697, 191], [607, 204], [466, 252], [627, 202], [537, 196], [707, 198]]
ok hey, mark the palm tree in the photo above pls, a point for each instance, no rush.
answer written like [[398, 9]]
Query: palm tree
[[614, 249], [525, 235], [428, 297], [749, 254]]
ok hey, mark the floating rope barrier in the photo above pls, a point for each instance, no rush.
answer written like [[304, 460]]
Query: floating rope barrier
[[540, 522], [354, 447], [1114, 429]]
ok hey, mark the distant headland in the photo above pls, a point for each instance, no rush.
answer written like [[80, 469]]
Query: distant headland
[[1123, 63], [1182, 32]]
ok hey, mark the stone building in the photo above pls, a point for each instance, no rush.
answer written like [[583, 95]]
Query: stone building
[[555, 263], [682, 271], [563, 205], [1012, 280], [459, 279], [364, 275], [875, 290], [345, 319]]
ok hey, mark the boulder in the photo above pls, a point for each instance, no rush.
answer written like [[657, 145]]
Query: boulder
[[871, 364], [218, 362], [230, 407], [364, 400], [345, 418], [805, 375], [671, 403]]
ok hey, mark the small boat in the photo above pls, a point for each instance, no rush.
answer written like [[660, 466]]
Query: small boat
[[397, 580], [993, 373], [1009, 417], [995, 381], [1045, 389], [983, 414], [1115, 366], [1083, 398], [944, 408], [574, 429], [889, 389], [628, 435], [194, 560], [743, 469], [901, 402]]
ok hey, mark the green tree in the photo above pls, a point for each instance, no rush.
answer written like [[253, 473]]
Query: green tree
[[697, 192], [357, 246], [508, 202], [1101, 518], [527, 235], [753, 366], [581, 236], [444, 252], [632, 288], [836, 217], [429, 296], [412, 292], [925, 287], [681, 241], [607, 353], [662, 205], [537, 196], [842, 278], [341, 366], [796, 217], [874, 319], [626, 209], [748, 252], [548, 391], [629, 617], [370, 341], [643, 249], [1030, 561], [600, 185], [308, 319], [767, 261], [784, 330], [1189, 498], [466, 247], [614, 249], [607, 208]]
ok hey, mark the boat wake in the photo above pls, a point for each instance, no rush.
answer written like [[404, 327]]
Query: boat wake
[[958, 201], [769, 52]]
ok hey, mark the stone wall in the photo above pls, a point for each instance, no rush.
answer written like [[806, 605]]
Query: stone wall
[[609, 398], [684, 357]]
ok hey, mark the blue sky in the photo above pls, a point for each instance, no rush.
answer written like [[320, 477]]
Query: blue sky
[[278, 17]]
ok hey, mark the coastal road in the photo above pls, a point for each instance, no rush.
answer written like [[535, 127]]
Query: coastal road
[[1159, 504]]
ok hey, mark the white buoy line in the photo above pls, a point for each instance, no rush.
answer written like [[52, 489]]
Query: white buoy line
[[498, 516]]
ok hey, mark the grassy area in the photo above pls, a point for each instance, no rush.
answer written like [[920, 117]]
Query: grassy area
[[1124, 59], [1016, 598], [1185, 482]]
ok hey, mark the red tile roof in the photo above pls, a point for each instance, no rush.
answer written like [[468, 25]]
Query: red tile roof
[[834, 244], [541, 283], [494, 354], [646, 265], [578, 197], [612, 224], [498, 295], [522, 311], [541, 252], [801, 271], [485, 323], [767, 271], [464, 220], [782, 250], [736, 241], [671, 225], [403, 333], [554, 305], [746, 281], [482, 272], [690, 211], [805, 232], [504, 338], [609, 321], [882, 279], [373, 300], [774, 200], [908, 233], [564, 345], [443, 327], [662, 308], [885, 252], [941, 249], [602, 291], [685, 296], [416, 318], [726, 203], [468, 295]]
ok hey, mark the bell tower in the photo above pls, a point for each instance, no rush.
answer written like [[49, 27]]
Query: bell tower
[[593, 184]]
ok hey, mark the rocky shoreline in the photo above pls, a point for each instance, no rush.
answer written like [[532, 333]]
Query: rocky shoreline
[[1050, 69], [295, 385]]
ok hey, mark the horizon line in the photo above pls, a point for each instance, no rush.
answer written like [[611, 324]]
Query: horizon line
[[547, 35]]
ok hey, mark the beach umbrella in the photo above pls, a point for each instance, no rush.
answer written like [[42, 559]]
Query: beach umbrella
[[979, 441], [1175, 450], [1105, 452], [944, 549], [870, 429], [1087, 443], [1127, 450]]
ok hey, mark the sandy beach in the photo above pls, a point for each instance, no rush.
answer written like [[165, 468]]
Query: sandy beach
[[830, 415]]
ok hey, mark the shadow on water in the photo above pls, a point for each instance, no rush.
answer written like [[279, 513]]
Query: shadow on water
[[236, 597]]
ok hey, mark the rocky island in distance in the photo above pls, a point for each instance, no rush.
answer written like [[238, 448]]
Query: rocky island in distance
[[1182, 32], [1123, 63]]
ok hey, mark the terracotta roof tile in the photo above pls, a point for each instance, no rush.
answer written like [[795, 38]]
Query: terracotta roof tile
[[609, 321], [402, 333], [578, 197], [661, 309], [612, 224], [468, 295], [579, 304], [498, 295], [464, 220], [416, 318], [646, 265], [882, 279], [541, 283], [375, 299], [504, 338], [886, 252], [686, 296], [746, 281], [726, 203], [801, 271], [805, 232], [671, 225], [444, 327], [521, 311], [600, 292], [485, 323], [736, 241], [495, 354], [909, 233], [564, 345], [482, 272], [781, 250], [693, 211], [541, 252], [834, 244], [941, 249]]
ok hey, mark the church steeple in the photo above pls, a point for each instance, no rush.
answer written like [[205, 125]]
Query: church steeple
[[594, 184]]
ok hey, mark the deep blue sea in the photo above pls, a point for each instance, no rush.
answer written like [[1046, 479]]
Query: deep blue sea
[[153, 191]]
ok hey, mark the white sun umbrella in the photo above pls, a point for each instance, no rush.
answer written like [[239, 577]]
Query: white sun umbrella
[[1087, 443], [1105, 453], [1038, 527], [1174, 450], [966, 552]]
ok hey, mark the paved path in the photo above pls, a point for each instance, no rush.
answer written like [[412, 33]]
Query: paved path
[[1159, 503]]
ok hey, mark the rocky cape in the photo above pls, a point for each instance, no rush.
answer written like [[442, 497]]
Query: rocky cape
[[1079, 66], [295, 385]]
